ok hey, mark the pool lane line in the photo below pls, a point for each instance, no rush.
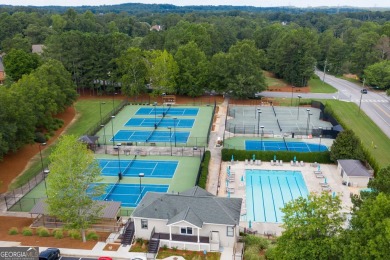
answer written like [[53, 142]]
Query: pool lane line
[[253, 201], [280, 188], [262, 195], [300, 192], [289, 188], [273, 200]]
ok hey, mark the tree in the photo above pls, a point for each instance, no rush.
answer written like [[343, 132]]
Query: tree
[[369, 233], [70, 193], [193, 70], [378, 74], [18, 62], [381, 182], [239, 71], [163, 72], [312, 226], [346, 146], [133, 71]]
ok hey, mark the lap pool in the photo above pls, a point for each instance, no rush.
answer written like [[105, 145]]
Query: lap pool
[[267, 191]]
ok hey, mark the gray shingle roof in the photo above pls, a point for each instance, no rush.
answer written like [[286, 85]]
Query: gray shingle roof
[[354, 168], [190, 206]]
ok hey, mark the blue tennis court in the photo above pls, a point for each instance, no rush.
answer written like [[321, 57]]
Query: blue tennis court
[[151, 136], [159, 111], [257, 145], [130, 194], [131, 168], [161, 122], [268, 191]]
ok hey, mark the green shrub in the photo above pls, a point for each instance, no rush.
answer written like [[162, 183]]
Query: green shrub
[[74, 234], [27, 231], [40, 137], [43, 232], [58, 233], [165, 247], [139, 241], [252, 253], [92, 235], [204, 170], [260, 243], [13, 231], [174, 248]]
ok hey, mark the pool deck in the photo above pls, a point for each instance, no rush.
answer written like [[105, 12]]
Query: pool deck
[[329, 171]]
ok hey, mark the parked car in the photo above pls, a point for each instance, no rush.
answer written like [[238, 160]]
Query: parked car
[[104, 258], [50, 254], [364, 91]]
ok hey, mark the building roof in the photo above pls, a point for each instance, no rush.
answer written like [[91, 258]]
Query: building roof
[[1, 64], [195, 206], [89, 139], [37, 48], [354, 168], [110, 208]]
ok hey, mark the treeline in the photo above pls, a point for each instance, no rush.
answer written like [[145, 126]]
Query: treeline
[[28, 105], [289, 45]]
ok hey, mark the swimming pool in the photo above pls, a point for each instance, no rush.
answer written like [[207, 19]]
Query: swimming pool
[[268, 190]]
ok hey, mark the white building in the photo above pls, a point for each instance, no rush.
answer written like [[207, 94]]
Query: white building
[[354, 173]]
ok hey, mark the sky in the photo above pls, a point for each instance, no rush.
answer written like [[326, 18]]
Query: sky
[[258, 3]]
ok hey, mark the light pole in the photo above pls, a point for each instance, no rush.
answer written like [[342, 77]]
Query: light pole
[[112, 131], [319, 145], [262, 133], [308, 121], [155, 115], [163, 95], [292, 93], [104, 137], [140, 175], [101, 119], [119, 166], [326, 62], [43, 169], [113, 103], [299, 102], [258, 121], [174, 128], [170, 138], [363, 91]]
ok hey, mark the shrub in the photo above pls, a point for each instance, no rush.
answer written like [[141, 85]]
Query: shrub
[[43, 232], [92, 235], [139, 241], [74, 234], [174, 248], [204, 170], [40, 137], [260, 243], [27, 231], [13, 231], [165, 247], [58, 233], [252, 253]]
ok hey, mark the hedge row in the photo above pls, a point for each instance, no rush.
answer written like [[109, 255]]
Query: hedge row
[[205, 170], [286, 156]]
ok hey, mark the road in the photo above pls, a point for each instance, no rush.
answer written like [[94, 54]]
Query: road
[[375, 104]]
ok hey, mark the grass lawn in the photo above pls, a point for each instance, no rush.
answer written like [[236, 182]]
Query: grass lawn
[[274, 82], [368, 132], [88, 112], [317, 86], [166, 252]]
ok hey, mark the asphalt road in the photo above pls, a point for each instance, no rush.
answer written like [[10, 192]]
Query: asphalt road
[[375, 104]]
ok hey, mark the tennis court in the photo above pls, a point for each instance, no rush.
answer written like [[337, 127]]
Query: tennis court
[[258, 145], [160, 122], [132, 168], [159, 111], [130, 194], [151, 136]]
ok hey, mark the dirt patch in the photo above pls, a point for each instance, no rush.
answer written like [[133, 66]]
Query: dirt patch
[[15, 163], [111, 247], [289, 88], [35, 240]]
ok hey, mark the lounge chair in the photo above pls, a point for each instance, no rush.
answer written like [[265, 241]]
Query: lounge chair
[[281, 162], [251, 162], [324, 185], [272, 162], [302, 163], [327, 189], [246, 161], [319, 176], [318, 172], [292, 163]]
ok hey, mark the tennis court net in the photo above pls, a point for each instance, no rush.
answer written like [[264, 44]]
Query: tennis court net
[[285, 143], [147, 139], [128, 166], [111, 190], [166, 111]]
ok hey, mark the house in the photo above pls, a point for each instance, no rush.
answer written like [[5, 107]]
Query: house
[[37, 48], [354, 173], [193, 220], [156, 28]]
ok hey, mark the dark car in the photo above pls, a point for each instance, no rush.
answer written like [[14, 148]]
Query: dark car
[[364, 91], [50, 254]]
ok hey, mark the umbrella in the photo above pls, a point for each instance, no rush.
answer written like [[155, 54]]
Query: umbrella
[[274, 157], [295, 158], [227, 183], [228, 171], [254, 157], [333, 194], [242, 178], [228, 194], [232, 157], [250, 224], [325, 180], [319, 168]]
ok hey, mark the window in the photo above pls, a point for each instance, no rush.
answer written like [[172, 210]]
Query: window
[[186, 230], [230, 231], [144, 223]]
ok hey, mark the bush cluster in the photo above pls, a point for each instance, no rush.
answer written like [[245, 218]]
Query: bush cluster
[[13, 231], [42, 232], [204, 170]]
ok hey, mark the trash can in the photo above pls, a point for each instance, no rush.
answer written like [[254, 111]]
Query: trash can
[[293, 134]]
